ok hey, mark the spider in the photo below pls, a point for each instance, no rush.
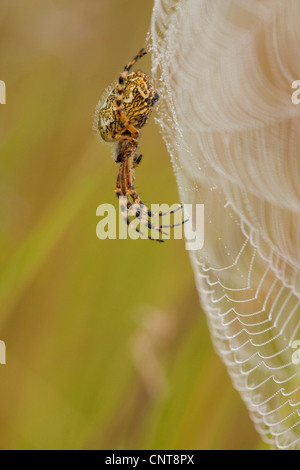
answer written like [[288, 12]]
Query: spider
[[120, 119]]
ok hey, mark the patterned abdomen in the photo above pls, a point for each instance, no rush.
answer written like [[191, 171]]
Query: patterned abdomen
[[138, 99]]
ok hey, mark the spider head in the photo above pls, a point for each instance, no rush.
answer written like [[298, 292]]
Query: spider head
[[155, 98]]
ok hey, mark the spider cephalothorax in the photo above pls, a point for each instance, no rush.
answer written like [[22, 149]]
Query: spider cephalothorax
[[119, 119]]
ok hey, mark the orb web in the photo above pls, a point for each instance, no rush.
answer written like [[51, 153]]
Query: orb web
[[224, 71]]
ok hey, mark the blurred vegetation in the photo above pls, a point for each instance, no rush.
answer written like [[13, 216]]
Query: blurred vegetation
[[107, 346]]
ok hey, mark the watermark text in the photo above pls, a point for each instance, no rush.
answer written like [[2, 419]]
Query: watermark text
[[2, 92], [296, 95], [160, 221], [2, 352]]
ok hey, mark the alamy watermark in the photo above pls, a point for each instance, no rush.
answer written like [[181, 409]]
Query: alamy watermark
[[192, 229], [296, 354], [2, 352], [2, 92], [2, 101], [296, 95]]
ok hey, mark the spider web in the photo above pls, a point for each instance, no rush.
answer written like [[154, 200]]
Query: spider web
[[224, 71]]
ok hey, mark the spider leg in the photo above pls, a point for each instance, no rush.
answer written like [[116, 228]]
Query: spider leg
[[137, 200], [132, 163], [129, 165], [121, 191], [150, 214], [135, 209], [161, 214], [137, 160], [124, 138], [120, 91]]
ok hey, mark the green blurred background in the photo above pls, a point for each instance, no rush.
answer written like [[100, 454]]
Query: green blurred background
[[107, 347]]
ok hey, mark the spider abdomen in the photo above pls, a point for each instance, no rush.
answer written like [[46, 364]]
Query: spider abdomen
[[138, 99]]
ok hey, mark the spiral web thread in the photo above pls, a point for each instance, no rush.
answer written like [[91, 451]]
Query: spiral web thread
[[224, 71]]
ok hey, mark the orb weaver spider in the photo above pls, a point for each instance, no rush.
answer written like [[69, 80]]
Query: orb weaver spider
[[120, 119]]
